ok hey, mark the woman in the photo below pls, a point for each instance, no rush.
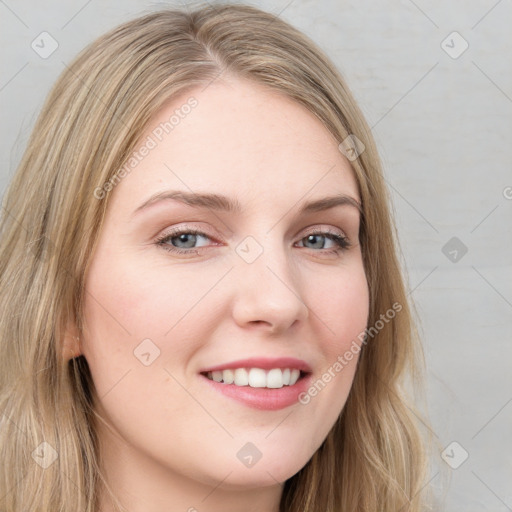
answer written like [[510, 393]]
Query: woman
[[202, 305]]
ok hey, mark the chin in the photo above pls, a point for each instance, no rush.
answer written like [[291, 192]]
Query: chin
[[261, 475], [269, 470]]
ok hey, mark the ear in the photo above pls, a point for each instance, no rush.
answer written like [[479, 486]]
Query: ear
[[71, 344]]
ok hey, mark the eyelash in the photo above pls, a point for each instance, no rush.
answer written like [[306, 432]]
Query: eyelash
[[342, 242]]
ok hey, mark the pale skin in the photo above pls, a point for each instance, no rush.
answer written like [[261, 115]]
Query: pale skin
[[172, 443]]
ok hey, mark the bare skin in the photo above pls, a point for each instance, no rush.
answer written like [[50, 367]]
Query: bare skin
[[173, 441]]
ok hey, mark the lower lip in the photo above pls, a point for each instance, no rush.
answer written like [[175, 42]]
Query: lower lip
[[266, 399]]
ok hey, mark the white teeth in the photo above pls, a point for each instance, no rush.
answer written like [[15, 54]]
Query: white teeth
[[275, 378], [241, 377], [257, 377], [228, 377], [294, 376], [217, 376]]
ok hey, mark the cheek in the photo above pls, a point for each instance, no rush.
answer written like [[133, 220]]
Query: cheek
[[341, 304], [139, 302], [341, 307], [126, 304], [120, 311]]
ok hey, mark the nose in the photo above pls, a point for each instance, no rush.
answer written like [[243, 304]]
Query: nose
[[268, 293]]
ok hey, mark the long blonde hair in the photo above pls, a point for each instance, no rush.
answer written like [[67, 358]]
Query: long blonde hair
[[374, 458]]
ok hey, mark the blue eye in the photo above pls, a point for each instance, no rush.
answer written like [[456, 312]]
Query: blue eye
[[341, 242], [182, 241], [185, 236]]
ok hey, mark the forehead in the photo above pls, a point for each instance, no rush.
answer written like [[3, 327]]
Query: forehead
[[240, 139]]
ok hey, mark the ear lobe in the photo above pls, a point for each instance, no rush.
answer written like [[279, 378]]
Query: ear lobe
[[71, 346]]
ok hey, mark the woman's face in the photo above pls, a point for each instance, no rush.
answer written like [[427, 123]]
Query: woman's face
[[164, 303]]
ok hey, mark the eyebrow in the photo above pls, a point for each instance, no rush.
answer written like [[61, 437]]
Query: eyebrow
[[219, 202]]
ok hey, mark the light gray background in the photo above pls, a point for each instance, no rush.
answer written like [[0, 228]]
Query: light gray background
[[444, 129]]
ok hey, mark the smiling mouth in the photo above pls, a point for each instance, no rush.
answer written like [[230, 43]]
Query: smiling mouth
[[274, 378]]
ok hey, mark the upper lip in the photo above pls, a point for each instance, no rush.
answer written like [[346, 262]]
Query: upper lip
[[264, 363]]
